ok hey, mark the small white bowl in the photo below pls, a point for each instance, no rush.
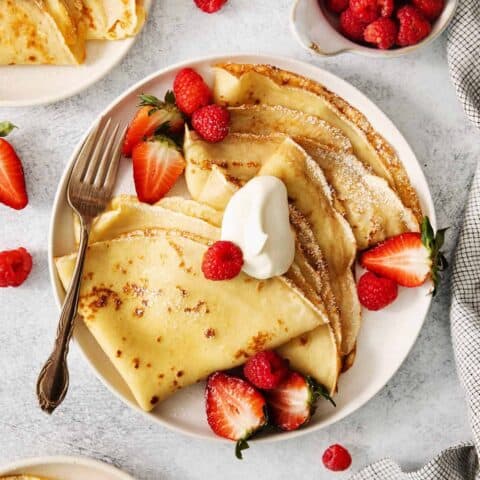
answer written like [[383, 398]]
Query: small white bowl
[[316, 30]]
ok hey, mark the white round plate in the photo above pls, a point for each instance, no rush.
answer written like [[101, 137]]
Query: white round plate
[[64, 468], [27, 85], [386, 337]]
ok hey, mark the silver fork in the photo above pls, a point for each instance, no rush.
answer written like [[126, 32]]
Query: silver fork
[[90, 187]]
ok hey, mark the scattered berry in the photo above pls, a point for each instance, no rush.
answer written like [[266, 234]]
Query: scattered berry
[[413, 26], [235, 410], [336, 458], [154, 116], [211, 122], [191, 91], [386, 7], [157, 164], [210, 6], [382, 32], [431, 9], [365, 10], [351, 27], [408, 259], [15, 266], [13, 192], [266, 370], [292, 403], [222, 261], [337, 6], [375, 292]]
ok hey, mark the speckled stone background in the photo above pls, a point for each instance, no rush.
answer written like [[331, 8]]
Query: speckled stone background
[[419, 412]]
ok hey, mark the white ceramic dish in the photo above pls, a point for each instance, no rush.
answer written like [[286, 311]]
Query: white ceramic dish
[[316, 30], [65, 468], [28, 85], [386, 337]]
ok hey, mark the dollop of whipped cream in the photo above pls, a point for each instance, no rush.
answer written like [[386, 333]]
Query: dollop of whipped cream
[[257, 220]]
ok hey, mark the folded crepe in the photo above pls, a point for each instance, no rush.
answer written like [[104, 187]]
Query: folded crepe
[[215, 171], [163, 325], [42, 31], [238, 84]]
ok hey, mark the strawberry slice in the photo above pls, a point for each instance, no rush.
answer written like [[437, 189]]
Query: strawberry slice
[[235, 410], [292, 403], [12, 180], [154, 117], [410, 258], [157, 164]]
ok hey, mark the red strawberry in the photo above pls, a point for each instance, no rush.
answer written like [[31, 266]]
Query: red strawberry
[[235, 410], [211, 122], [336, 458], [15, 266], [191, 91], [266, 369], [410, 258], [154, 116], [12, 180], [222, 261], [292, 403], [210, 6], [157, 164], [376, 292]]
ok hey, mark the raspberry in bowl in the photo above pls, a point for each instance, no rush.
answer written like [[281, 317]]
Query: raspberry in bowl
[[377, 28]]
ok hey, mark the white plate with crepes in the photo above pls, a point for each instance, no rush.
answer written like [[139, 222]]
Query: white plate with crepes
[[386, 337], [28, 85], [62, 467]]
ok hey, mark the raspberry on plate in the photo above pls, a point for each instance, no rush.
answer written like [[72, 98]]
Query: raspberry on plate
[[336, 6], [382, 33], [430, 8], [222, 261], [15, 266], [375, 292], [210, 6], [266, 370], [351, 26], [211, 122], [336, 458], [190, 90], [365, 10], [414, 27]]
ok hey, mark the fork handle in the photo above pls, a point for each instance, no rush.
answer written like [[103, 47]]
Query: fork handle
[[52, 383]]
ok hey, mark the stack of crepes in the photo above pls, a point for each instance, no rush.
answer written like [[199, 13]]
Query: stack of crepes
[[144, 297], [55, 31]]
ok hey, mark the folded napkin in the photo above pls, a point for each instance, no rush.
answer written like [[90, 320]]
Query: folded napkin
[[461, 462]]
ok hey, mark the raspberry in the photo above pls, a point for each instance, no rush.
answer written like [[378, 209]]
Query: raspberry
[[386, 7], [375, 292], [222, 261], [413, 26], [351, 27], [210, 6], [336, 6], [266, 370], [382, 32], [211, 122], [431, 9], [365, 10], [336, 458], [15, 266], [190, 90]]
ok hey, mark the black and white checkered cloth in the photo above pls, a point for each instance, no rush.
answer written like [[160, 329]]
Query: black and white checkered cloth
[[461, 462]]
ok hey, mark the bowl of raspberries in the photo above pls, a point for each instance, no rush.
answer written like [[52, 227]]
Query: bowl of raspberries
[[369, 27]]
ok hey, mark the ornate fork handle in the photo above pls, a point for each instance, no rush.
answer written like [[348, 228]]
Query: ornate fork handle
[[52, 384]]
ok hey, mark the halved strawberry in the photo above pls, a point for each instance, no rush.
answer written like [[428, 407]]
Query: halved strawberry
[[12, 180], [235, 409], [157, 164], [409, 258], [153, 117], [292, 403]]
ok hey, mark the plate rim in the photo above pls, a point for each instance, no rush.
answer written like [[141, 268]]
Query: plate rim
[[65, 459], [294, 65], [52, 98]]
